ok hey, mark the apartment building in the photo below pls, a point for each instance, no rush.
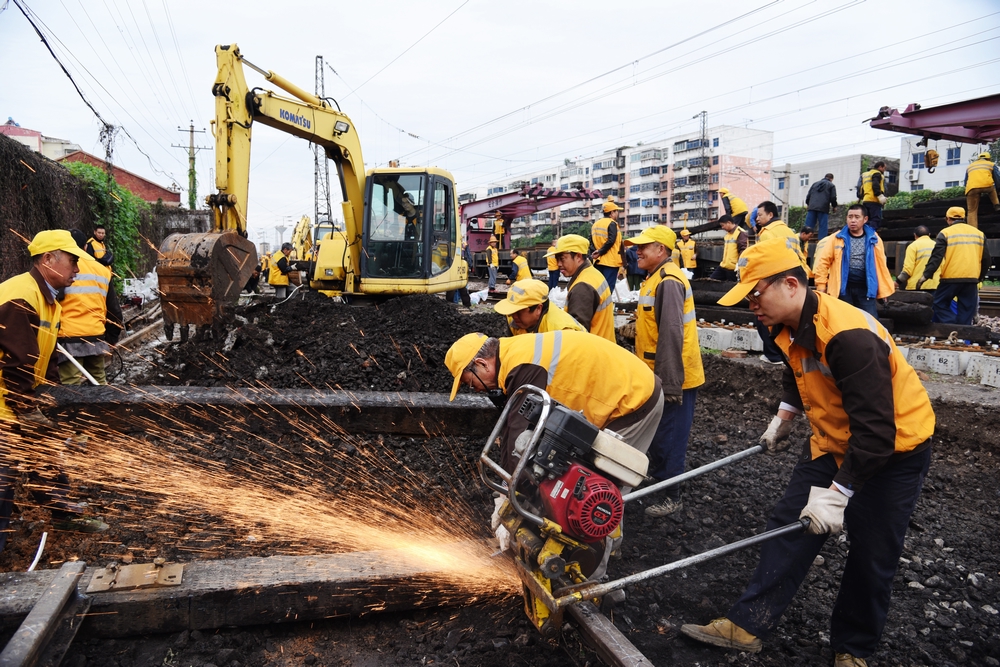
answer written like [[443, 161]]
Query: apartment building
[[673, 181], [954, 159]]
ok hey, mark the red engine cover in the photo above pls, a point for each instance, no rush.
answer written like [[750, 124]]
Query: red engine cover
[[586, 505]]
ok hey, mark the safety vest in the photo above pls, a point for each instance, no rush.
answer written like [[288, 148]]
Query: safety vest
[[492, 256], [603, 322], [26, 288], [647, 330], [99, 247], [276, 277], [979, 175], [85, 307], [497, 227], [731, 250], [688, 256], [778, 229], [585, 373], [265, 265], [822, 401], [964, 255], [736, 204], [555, 319], [917, 254], [866, 185], [599, 236], [522, 270], [550, 261]]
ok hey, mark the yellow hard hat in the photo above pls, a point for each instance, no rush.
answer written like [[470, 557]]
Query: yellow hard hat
[[55, 239], [610, 205], [656, 234], [760, 261], [984, 156], [523, 294], [685, 232], [460, 354], [955, 213], [723, 191], [570, 243]]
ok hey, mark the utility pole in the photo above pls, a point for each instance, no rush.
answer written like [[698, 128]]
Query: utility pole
[[321, 166], [192, 173], [703, 214]]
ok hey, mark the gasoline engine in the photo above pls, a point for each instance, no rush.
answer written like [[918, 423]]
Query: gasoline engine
[[563, 506]]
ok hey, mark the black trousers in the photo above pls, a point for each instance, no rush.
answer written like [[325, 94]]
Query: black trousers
[[876, 519]]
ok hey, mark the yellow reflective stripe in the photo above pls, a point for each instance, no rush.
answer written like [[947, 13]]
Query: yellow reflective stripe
[[81, 277], [688, 317], [646, 300], [517, 290], [978, 237], [876, 328], [604, 304], [811, 364], [73, 289], [44, 324], [688, 294]]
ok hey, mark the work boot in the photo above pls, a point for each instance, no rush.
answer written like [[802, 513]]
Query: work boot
[[80, 524], [723, 632], [667, 507], [848, 660]]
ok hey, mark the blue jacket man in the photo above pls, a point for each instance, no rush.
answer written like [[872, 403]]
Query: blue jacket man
[[859, 283]]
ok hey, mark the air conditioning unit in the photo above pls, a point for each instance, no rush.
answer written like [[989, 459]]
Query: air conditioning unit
[[913, 175]]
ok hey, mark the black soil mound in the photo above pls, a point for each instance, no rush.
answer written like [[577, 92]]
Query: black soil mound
[[312, 341]]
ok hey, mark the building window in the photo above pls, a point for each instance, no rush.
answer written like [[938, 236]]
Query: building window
[[803, 180], [951, 184], [715, 178], [715, 159], [954, 156], [916, 187], [781, 183], [715, 142], [918, 160], [634, 188]]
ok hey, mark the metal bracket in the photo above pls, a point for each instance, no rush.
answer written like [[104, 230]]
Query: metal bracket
[[140, 575]]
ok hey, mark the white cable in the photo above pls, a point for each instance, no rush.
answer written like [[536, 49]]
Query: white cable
[[38, 554]]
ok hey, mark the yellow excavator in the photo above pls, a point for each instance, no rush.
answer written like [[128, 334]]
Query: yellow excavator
[[401, 233]]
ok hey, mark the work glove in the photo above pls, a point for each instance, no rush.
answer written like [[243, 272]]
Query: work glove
[[673, 399], [500, 530], [920, 283], [775, 438], [825, 510], [36, 418], [881, 200]]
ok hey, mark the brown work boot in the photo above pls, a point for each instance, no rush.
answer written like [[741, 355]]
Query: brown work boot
[[723, 632], [848, 660]]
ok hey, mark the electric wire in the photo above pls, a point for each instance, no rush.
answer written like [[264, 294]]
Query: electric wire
[[405, 51]]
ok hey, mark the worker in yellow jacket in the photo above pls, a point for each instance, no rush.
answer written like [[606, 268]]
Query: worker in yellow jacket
[[686, 246], [917, 255], [279, 270], [961, 255], [85, 306], [871, 424], [30, 317], [519, 269], [982, 177], [873, 194], [666, 340], [855, 270], [588, 297], [734, 207], [528, 310], [552, 265], [492, 263], [606, 238]]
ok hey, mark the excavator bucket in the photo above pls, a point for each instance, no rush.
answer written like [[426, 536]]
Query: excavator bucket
[[201, 276]]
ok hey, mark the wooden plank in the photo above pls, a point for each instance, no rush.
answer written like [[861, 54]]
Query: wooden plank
[[26, 645], [278, 589], [407, 413], [602, 635]]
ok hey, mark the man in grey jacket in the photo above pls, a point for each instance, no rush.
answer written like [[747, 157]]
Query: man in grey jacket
[[822, 195]]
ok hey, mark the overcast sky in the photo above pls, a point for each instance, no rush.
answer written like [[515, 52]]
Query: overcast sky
[[491, 89]]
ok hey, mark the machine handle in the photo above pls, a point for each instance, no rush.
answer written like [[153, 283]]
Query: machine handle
[[574, 594], [691, 474]]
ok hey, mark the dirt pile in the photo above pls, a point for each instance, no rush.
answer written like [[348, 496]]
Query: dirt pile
[[312, 341]]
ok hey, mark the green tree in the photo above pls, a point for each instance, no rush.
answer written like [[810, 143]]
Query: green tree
[[121, 212]]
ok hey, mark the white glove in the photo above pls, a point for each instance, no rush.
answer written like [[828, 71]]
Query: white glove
[[881, 200], [499, 530], [775, 438], [825, 510]]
